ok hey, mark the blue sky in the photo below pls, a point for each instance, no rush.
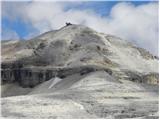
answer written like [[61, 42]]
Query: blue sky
[[103, 7], [131, 20]]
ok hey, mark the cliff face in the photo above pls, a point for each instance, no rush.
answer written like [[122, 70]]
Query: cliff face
[[30, 77]]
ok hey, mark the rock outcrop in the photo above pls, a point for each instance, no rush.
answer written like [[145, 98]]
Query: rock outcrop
[[30, 77]]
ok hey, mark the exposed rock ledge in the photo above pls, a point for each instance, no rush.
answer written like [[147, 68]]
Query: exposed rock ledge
[[32, 76]]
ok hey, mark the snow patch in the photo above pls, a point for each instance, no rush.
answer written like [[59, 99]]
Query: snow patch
[[54, 81]]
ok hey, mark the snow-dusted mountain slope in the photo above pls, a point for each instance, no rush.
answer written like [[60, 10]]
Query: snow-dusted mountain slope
[[76, 72]]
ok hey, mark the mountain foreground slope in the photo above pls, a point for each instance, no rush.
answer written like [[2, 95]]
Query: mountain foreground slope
[[76, 72]]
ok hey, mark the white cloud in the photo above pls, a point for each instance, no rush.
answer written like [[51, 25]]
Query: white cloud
[[138, 24]]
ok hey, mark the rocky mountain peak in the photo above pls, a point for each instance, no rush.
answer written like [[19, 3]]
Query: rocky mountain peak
[[93, 74]]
